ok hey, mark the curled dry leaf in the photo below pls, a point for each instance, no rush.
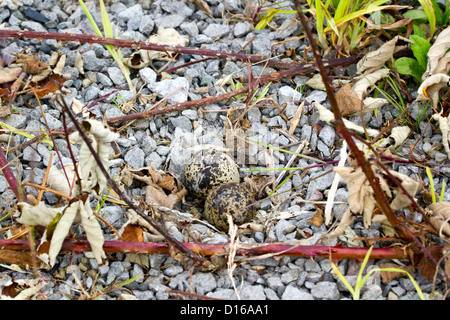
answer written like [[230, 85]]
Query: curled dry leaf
[[429, 89], [397, 137], [328, 116], [440, 216], [58, 222], [375, 60], [436, 52], [368, 80], [164, 36], [163, 188], [348, 101], [444, 126], [93, 179], [360, 194]]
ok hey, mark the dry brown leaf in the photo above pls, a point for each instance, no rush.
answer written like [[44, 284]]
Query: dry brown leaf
[[441, 216], [296, 118], [397, 137], [133, 233], [49, 85], [388, 276], [30, 63], [9, 75], [386, 26], [348, 101], [375, 60], [164, 36], [430, 87], [360, 193], [317, 219], [437, 51], [163, 188]]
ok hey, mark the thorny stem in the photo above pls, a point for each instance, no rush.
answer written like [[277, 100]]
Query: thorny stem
[[141, 45], [246, 250], [166, 235]]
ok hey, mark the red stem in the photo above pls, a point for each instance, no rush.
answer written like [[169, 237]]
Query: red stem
[[336, 252], [142, 45], [10, 178]]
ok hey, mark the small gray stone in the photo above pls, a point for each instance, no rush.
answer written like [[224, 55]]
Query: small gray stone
[[325, 290], [373, 292], [170, 21], [173, 271], [225, 294], [176, 88], [176, 7], [316, 95], [328, 135], [18, 121], [33, 26], [146, 25], [92, 63], [91, 93], [132, 13], [190, 28], [241, 29], [52, 122], [113, 215], [249, 292], [204, 282], [275, 283], [293, 293], [288, 94], [182, 122], [148, 75], [148, 145], [30, 154], [135, 158], [116, 76], [104, 79], [201, 39], [288, 28], [215, 30], [290, 276], [155, 159], [261, 45]]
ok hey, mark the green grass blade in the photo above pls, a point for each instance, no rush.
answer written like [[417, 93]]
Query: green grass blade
[[90, 18], [107, 28], [433, 195], [441, 197], [429, 10]]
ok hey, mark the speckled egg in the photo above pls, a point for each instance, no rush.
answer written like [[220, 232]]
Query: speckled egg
[[207, 170], [230, 198]]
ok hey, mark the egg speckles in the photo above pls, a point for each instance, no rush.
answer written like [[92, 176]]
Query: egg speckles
[[229, 199], [207, 170]]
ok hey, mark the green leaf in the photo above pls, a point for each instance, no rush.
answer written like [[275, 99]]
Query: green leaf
[[409, 66], [437, 12], [418, 15], [418, 31], [420, 49]]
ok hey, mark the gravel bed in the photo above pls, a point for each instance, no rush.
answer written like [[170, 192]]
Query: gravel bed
[[166, 141]]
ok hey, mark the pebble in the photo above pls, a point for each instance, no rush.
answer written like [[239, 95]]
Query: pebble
[[176, 88], [293, 293]]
